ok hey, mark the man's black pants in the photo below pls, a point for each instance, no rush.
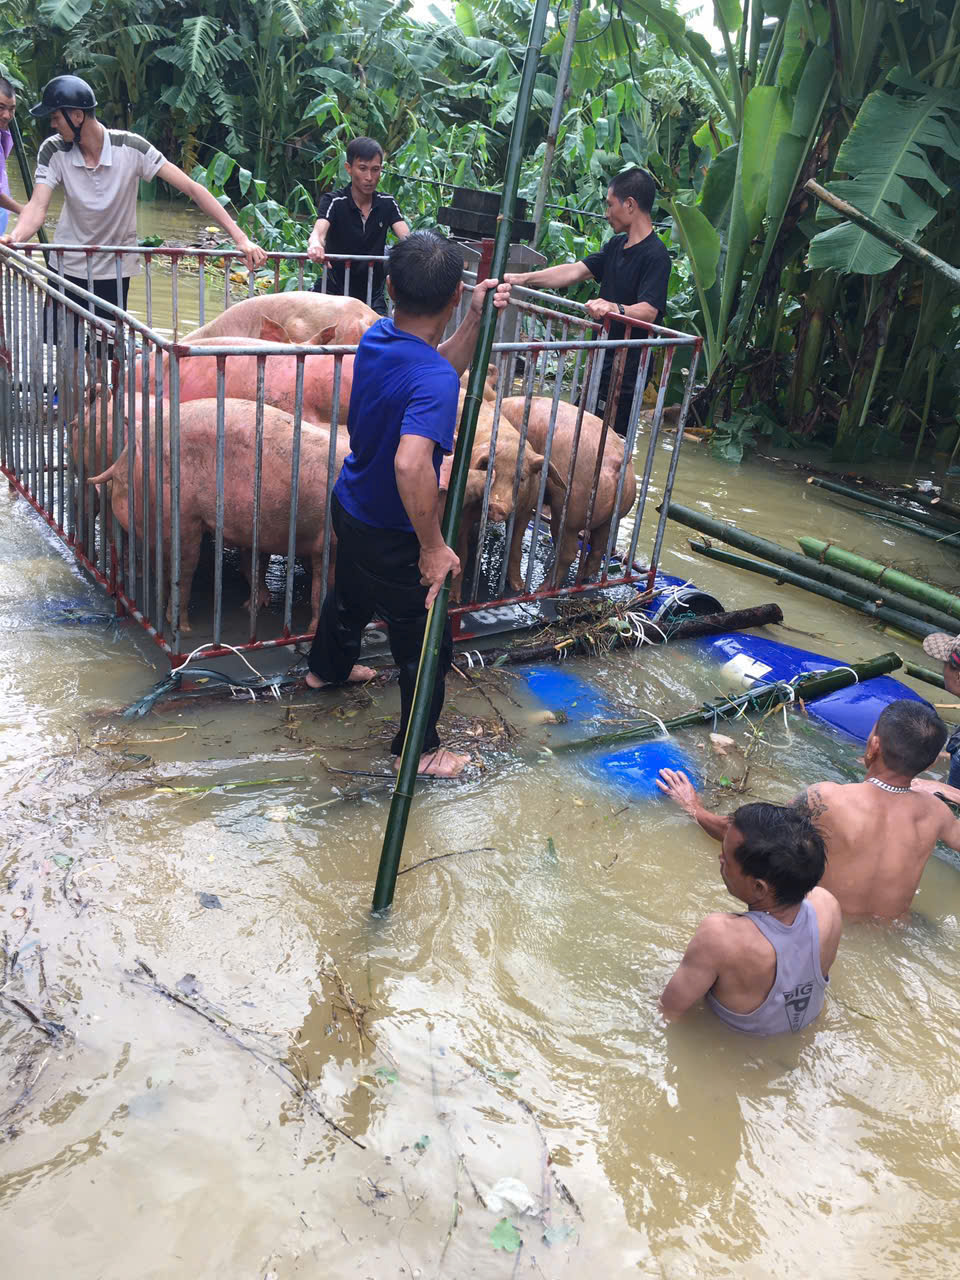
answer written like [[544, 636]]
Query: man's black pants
[[378, 574], [105, 289]]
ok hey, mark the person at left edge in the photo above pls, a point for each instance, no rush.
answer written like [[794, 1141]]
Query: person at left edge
[[100, 170], [355, 219], [391, 557], [8, 109]]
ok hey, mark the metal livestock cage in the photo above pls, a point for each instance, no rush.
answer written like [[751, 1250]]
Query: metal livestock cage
[[72, 404]]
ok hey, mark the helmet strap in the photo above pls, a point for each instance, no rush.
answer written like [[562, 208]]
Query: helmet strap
[[77, 128]]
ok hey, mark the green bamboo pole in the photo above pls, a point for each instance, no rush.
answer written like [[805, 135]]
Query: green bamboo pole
[[826, 552], [807, 569], [25, 173], [924, 674], [932, 518], [429, 655], [914, 252], [763, 697], [906, 622]]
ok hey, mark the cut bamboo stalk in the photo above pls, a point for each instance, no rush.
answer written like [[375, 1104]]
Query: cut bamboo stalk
[[806, 568], [905, 622], [924, 674], [943, 522], [761, 698], [873, 571]]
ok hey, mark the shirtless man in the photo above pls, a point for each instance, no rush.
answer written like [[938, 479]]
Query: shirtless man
[[946, 649], [763, 972], [878, 833]]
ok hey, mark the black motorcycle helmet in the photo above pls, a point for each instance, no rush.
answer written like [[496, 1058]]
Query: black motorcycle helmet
[[65, 93]]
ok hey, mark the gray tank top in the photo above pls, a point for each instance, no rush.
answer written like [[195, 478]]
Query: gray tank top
[[796, 996]]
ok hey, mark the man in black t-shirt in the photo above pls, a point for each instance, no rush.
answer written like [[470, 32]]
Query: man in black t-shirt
[[356, 219], [633, 269]]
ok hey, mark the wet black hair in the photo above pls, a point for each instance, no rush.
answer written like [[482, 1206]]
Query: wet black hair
[[781, 846], [911, 735], [363, 149], [636, 184], [425, 269]]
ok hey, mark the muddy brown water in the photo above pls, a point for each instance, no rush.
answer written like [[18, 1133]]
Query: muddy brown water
[[509, 999]]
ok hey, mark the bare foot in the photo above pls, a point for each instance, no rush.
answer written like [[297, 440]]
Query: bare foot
[[439, 763], [358, 675]]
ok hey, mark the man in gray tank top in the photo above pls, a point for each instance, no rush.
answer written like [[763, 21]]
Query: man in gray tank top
[[765, 971]]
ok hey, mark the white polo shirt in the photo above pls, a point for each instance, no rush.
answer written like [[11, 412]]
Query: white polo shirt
[[100, 204]]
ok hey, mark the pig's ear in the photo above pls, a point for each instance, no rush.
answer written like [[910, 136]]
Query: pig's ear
[[273, 330], [322, 336]]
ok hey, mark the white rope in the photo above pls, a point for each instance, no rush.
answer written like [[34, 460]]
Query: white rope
[[200, 648], [644, 712]]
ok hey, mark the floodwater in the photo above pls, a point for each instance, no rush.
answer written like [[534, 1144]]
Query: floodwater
[[500, 1024]]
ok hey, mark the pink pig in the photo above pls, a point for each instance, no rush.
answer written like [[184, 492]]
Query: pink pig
[[299, 316], [565, 540], [198, 489]]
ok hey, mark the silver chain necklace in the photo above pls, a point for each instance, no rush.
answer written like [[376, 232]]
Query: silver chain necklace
[[886, 786]]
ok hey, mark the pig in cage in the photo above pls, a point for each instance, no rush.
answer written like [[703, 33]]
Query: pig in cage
[[187, 469]]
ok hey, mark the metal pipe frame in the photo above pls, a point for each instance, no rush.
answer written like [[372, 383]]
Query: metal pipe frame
[[51, 476]]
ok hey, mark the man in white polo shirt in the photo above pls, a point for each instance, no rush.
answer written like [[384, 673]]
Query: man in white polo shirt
[[100, 171]]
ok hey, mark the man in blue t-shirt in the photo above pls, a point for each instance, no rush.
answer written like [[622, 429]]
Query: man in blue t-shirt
[[391, 557]]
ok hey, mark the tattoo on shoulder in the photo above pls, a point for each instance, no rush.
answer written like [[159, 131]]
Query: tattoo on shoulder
[[811, 805]]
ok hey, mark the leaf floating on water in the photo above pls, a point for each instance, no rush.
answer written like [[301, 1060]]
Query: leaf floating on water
[[388, 1076], [724, 781], [210, 900], [557, 1235], [422, 1142], [552, 850], [505, 1236], [63, 860]]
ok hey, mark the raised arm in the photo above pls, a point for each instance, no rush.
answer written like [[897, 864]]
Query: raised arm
[[697, 971], [202, 198], [675, 784], [459, 348], [560, 277]]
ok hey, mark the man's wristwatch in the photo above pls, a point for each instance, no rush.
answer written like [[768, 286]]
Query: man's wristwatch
[[620, 308]]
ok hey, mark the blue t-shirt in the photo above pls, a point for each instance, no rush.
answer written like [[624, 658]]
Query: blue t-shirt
[[401, 386]]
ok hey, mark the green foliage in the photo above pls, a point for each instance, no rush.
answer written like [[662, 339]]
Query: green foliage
[[891, 140], [810, 326]]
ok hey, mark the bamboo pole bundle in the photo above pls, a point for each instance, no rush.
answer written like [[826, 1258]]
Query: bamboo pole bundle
[[893, 617], [826, 553], [806, 568]]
